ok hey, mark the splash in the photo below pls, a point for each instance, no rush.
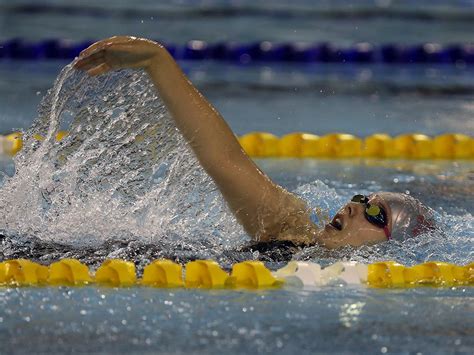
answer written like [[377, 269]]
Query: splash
[[123, 172]]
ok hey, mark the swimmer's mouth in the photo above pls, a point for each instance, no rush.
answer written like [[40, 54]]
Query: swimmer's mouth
[[337, 222]]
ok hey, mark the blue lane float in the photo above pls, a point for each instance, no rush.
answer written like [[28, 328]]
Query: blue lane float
[[455, 12], [262, 51], [19, 49]]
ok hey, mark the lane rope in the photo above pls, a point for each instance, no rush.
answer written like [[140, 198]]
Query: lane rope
[[452, 13], [262, 51], [332, 145], [247, 274], [342, 145]]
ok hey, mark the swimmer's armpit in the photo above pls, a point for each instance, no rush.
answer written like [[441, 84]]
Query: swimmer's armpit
[[247, 190]]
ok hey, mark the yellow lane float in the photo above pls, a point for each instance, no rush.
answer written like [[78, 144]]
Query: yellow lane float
[[386, 274], [435, 273], [469, 273], [298, 144], [260, 144], [205, 273], [163, 273], [378, 146], [342, 145], [116, 273], [332, 145], [252, 274], [11, 144], [413, 146], [248, 274], [69, 272], [453, 146], [23, 272]]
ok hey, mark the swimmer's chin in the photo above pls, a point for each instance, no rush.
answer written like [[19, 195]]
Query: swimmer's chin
[[331, 238]]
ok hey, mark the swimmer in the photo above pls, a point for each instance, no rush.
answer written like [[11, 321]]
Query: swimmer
[[266, 211]]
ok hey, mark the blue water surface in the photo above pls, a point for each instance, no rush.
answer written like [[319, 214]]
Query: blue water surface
[[328, 320]]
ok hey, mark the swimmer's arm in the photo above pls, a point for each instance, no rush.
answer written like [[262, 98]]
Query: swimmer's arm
[[266, 210], [262, 207]]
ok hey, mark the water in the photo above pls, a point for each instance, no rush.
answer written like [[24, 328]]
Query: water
[[328, 320], [147, 198], [342, 22], [316, 98]]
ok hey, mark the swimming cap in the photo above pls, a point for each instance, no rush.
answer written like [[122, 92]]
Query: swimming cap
[[408, 216]]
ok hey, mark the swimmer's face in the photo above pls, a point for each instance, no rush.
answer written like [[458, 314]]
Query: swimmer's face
[[351, 227]]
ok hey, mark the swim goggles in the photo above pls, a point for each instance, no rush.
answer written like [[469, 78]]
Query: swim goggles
[[374, 214]]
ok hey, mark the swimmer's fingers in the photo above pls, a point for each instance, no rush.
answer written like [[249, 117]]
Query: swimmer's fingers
[[100, 62], [99, 69], [103, 44], [109, 58], [90, 61]]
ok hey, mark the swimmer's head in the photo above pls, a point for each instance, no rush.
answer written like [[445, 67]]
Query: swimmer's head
[[376, 218]]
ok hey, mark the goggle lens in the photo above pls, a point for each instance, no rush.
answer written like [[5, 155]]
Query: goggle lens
[[372, 210], [373, 213]]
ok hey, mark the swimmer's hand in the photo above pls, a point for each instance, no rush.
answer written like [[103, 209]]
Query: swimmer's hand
[[118, 52]]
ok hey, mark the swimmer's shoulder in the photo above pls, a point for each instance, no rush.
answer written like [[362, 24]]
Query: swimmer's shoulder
[[301, 231]]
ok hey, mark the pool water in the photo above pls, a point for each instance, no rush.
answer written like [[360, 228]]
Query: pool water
[[341, 21], [321, 98], [140, 208], [328, 320]]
